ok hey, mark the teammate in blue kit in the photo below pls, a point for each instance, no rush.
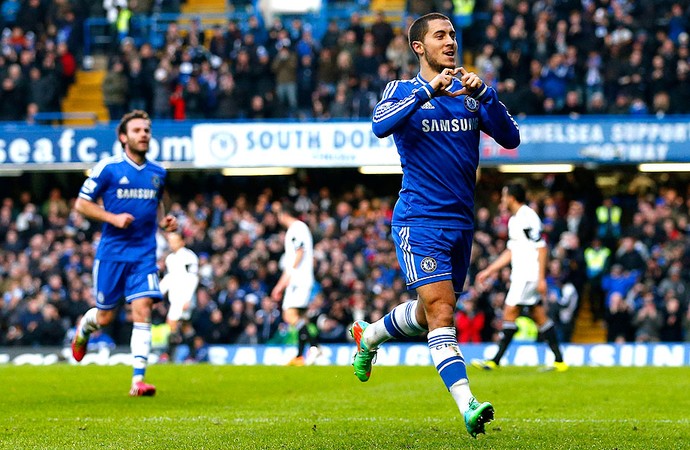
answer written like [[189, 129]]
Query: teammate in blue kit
[[435, 120], [130, 187]]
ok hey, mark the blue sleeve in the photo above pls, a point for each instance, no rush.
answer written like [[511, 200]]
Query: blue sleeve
[[164, 178], [495, 119], [395, 107], [96, 184]]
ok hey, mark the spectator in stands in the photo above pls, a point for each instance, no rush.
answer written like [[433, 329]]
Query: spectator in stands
[[243, 73], [228, 107], [468, 320], [562, 301], [675, 285], [524, 33], [680, 92], [618, 319], [115, 90], [306, 82], [618, 281], [258, 108], [42, 91], [609, 222], [163, 84], [13, 94], [648, 321], [597, 260], [284, 66], [32, 16], [398, 54], [8, 13], [194, 96], [672, 318], [51, 330], [363, 99], [628, 255], [382, 33], [356, 28], [578, 222], [29, 222], [266, 320], [137, 86], [366, 63]]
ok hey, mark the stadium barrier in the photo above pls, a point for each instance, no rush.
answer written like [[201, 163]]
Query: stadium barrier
[[392, 354], [588, 141]]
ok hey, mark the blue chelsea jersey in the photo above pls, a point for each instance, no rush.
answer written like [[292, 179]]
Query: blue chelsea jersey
[[437, 138], [125, 186]]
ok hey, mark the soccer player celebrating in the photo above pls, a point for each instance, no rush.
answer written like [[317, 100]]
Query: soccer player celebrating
[[435, 120], [180, 282], [527, 253], [130, 187]]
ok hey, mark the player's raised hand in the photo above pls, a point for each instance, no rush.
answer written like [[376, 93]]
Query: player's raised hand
[[169, 223], [442, 82], [470, 81], [122, 220]]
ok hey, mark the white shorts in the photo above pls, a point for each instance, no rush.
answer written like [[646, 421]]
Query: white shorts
[[177, 311], [180, 292], [522, 293], [297, 295]]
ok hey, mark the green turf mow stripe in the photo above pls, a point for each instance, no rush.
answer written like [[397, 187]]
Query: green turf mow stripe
[[314, 408]]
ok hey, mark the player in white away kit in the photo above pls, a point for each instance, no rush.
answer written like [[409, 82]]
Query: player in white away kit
[[527, 253], [130, 187], [180, 282], [297, 281]]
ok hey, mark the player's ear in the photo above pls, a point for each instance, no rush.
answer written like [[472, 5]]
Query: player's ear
[[418, 48]]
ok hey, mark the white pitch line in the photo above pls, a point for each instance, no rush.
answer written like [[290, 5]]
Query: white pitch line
[[260, 420]]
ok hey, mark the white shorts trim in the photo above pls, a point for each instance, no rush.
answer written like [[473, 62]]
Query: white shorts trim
[[297, 296], [177, 312], [522, 293]]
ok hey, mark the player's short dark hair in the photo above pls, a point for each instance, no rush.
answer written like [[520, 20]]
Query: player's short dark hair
[[134, 114], [518, 191], [287, 207], [420, 27]]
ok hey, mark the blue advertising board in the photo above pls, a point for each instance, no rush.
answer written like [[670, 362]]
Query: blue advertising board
[[600, 140], [670, 354]]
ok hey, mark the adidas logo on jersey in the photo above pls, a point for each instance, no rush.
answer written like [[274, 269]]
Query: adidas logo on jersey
[[124, 180], [427, 105]]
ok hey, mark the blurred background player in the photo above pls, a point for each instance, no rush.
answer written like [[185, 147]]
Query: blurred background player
[[180, 282], [527, 253], [297, 280], [130, 187], [436, 120]]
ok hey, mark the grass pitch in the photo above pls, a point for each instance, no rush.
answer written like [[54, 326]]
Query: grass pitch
[[261, 407]]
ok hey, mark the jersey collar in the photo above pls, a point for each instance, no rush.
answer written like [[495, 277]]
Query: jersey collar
[[132, 163]]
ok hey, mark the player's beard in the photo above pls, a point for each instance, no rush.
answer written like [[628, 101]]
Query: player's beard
[[138, 147], [435, 64]]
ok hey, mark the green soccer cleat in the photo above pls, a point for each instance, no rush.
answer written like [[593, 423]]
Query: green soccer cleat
[[478, 415], [364, 357], [484, 364]]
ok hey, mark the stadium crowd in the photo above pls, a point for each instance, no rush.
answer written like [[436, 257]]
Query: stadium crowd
[[638, 290], [544, 57], [627, 255]]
